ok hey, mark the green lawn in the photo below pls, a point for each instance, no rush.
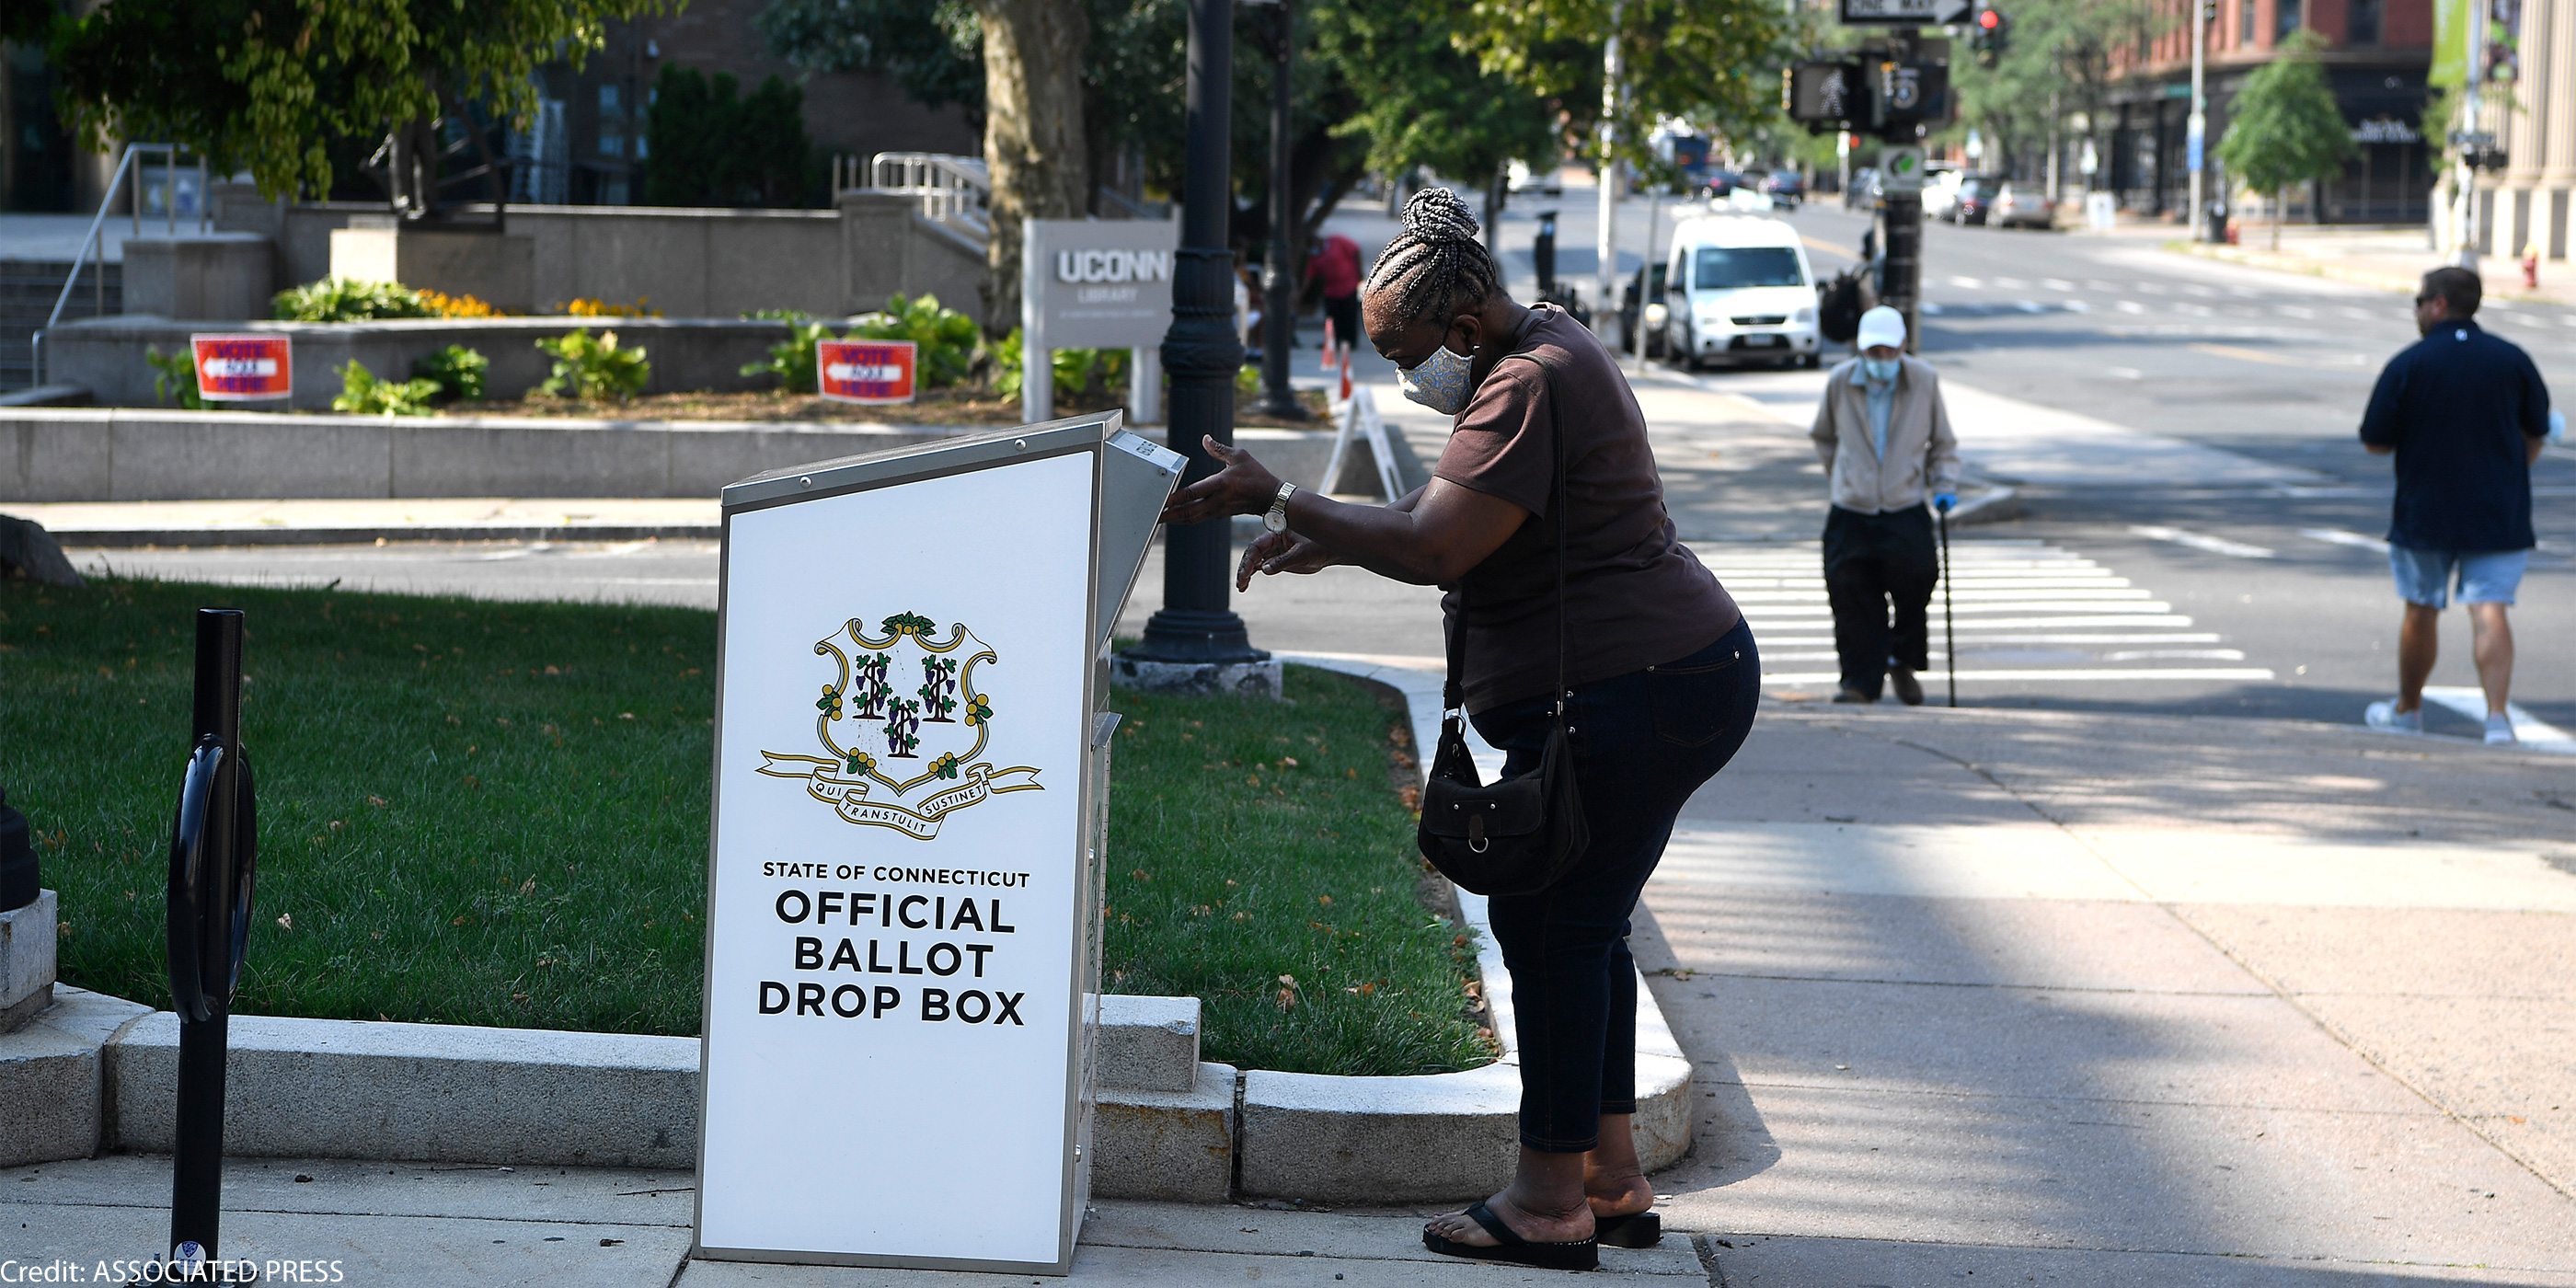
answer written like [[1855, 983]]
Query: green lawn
[[496, 813], [1259, 860]]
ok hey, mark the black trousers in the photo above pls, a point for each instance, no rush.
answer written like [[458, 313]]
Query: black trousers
[[1642, 742], [1878, 566]]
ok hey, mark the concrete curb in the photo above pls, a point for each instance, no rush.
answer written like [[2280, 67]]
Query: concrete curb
[[184, 538], [101, 1069]]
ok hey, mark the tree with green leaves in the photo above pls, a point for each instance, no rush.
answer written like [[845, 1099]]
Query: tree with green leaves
[[1017, 66], [2284, 128], [1711, 62], [1428, 104], [2058, 66], [713, 147], [268, 85]]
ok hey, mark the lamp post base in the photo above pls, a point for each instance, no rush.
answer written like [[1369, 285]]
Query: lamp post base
[[1239, 679], [1196, 651]]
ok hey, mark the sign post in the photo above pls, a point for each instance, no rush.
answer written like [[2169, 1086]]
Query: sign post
[[1091, 284], [904, 881]]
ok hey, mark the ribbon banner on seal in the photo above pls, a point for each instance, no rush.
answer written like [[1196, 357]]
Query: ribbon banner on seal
[[848, 797]]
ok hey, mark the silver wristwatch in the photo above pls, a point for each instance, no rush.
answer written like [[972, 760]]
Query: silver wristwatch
[[1277, 519]]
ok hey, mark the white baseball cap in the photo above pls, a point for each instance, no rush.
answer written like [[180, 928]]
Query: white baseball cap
[[1882, 325]]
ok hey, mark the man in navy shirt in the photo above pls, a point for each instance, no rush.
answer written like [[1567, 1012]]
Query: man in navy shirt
[[2466, 414]]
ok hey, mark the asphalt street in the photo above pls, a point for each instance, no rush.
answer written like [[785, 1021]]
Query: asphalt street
[[2248, 529]]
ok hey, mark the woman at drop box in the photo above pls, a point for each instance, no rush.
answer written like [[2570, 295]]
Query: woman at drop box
[[1661, 669]]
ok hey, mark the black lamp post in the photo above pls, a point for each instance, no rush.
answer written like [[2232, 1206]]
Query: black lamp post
[[1279, 312], [1202, 353]]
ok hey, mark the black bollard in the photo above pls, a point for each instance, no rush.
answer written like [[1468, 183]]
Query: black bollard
[[214, 859], [1543, 254]]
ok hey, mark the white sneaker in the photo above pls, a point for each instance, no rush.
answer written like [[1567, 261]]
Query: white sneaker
[[2385, 716], [2500, 728]]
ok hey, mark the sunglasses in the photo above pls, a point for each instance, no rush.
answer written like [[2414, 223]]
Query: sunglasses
[[2426, 299]]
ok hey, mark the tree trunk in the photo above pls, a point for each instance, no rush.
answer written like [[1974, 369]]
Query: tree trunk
[[2280, 212], [1034, 143]]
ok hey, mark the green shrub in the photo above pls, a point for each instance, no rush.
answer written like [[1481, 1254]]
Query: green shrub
[[457, 370], [715, 146], [945, 338], [594, 369], [343, 299], [363, 393], [1075, 369], [791, 359], [1006, 364], [174, 375]]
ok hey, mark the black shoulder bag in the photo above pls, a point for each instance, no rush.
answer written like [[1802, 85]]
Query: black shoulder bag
[[1518, 835]]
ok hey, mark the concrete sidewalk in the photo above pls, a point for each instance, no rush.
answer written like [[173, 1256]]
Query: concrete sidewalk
[[1968, 996], [2393, 259], [2123, 1000], [487, 1227]]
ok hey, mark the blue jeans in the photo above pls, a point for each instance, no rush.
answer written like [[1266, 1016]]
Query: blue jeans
[[1642, 742]]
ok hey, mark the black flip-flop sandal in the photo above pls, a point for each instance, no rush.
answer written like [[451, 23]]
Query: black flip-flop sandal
[[1635, 1230], [1510, 1247]]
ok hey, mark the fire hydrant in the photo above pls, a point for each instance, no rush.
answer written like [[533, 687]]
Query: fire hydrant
[[2530, 268]]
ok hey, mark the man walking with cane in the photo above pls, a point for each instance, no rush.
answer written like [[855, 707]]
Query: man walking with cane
[[2465, 413], [1885, 438]]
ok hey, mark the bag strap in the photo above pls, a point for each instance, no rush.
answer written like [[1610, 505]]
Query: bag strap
[[1452, 698]]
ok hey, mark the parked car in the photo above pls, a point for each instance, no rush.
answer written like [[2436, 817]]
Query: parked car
[[1941, 193], [1975, 200], [1546, 183], [1863, 193], [1720, 184], [1642, 312], [1787, 188], [2022, 205], [1739, 290]]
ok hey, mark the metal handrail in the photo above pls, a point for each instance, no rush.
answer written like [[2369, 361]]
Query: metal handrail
[[953, 190], [170, 204]]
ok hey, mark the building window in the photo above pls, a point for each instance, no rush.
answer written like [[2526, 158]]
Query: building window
[[2365, 23], [2285, 19], [608, 99], [612, 144], [2245, 24]]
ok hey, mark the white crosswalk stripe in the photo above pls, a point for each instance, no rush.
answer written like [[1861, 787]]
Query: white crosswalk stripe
[[2025, 612]]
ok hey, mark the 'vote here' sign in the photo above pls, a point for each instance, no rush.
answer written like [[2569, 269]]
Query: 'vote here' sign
[[865, 371], [243, 368]]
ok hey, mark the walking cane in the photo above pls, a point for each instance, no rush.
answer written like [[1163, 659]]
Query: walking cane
[[1949, 628]]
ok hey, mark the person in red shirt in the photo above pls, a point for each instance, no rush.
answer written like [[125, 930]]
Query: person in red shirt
[[1336, 265]]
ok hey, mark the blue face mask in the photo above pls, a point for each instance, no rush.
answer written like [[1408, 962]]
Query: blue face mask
[[1438, 382], [1879, 370]]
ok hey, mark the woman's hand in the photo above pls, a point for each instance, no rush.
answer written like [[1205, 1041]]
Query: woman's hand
[[1278, 552], [1242, 486]]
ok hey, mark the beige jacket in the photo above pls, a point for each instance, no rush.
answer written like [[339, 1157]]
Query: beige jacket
[[1922, 453]]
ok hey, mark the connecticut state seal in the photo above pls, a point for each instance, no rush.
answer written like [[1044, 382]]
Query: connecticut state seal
[[884, 744]]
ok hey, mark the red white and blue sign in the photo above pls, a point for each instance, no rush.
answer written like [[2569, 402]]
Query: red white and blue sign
[[243, 368], [866, 371]]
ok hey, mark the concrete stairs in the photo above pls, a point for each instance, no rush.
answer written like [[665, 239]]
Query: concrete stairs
[[28, 289]]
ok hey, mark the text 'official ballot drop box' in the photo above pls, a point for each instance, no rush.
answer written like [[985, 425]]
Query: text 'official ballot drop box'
[[903, 937]]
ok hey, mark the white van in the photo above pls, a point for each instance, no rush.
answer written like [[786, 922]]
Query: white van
[[1740, 291]]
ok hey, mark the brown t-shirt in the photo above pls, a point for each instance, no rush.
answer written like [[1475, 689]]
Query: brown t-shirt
[[1634, 595]]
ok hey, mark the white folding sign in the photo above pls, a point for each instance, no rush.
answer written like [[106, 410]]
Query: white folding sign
[[903, 890]]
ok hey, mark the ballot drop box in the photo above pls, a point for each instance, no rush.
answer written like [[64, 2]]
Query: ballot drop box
[[911, 766]]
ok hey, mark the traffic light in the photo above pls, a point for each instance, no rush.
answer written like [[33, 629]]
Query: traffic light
[[1989, 34]]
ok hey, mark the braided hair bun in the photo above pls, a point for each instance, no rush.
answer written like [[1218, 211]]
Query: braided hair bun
[[1439, 215], [1436, 266]]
